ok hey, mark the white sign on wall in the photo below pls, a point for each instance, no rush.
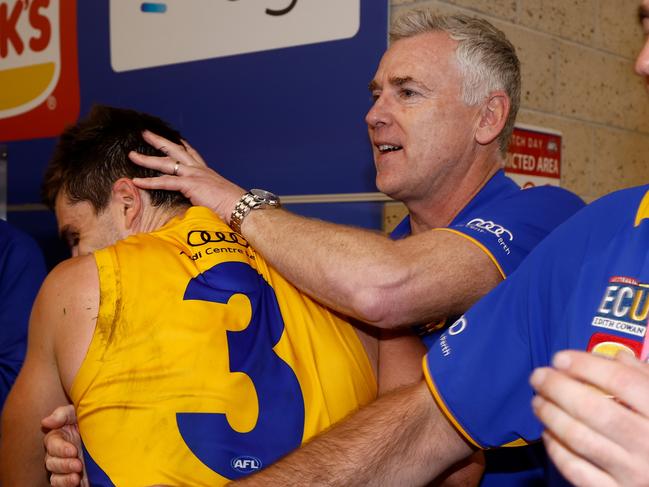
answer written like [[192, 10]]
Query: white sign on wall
[[148, 34]]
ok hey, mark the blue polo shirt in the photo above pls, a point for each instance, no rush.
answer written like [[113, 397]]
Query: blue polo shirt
[[585, 287], [22, 270], [506, 222]]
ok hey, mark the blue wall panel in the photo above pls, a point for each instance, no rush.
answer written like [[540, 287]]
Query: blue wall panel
[[290, 119]]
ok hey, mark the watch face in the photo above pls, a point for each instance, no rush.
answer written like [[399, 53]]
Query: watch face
[[265, 196]]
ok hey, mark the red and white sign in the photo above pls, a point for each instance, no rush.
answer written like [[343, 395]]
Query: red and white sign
[[534, 157], [38, 68]]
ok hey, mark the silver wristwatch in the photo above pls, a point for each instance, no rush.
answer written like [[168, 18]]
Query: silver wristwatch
[[255, 199]]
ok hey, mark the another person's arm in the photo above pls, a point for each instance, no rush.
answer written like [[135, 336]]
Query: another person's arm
[[65, 308], [401, 353], [400, 356], [22, 270], [592, 438], [401, 439], [36, 392], [362, 274]]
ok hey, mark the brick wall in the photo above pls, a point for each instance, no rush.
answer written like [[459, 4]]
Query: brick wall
[[577, 61]]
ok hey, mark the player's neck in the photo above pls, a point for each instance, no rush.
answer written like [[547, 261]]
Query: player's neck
[[154, 217]]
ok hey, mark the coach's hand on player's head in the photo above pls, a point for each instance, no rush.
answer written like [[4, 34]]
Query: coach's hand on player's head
[[64, 455], [185, 170]]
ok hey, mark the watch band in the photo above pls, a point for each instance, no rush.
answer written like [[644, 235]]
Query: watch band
[[252, 200], [241, 210]]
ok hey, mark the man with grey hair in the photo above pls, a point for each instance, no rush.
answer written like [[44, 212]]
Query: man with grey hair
[[446, 94]]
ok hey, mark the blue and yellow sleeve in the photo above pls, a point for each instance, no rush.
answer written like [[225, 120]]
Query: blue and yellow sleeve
[[507, 229], [478, 369]]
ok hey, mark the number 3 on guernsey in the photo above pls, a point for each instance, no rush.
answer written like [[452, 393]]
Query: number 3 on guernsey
[[280, 423]]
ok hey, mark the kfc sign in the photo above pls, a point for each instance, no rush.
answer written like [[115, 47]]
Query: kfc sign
[[38, 68]]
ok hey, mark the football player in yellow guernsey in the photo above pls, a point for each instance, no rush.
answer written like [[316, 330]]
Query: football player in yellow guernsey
[[189, 361]]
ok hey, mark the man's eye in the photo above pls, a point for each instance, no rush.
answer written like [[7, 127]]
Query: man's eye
[[375, 96], [406, 93]]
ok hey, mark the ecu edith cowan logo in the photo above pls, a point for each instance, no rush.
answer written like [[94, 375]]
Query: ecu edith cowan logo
[[38, 68]]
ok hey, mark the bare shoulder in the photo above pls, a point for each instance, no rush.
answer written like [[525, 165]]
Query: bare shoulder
[[66, 311], [74, 274], [72, 281]]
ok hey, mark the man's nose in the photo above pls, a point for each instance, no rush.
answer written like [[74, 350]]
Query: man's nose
[[379, 114], [642, 62]]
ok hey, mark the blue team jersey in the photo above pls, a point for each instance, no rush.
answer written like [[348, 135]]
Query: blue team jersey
[[22, 270], [507, 223], [584, 287]]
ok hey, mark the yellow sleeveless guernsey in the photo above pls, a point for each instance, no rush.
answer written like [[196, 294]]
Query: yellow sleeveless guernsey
[[205, 364]]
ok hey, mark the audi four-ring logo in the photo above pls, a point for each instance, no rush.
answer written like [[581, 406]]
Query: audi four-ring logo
[[491, 227], [457, 327], [196, 238]]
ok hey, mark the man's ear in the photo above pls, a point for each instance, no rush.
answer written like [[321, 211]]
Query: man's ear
[[493, 117], [128, 201]]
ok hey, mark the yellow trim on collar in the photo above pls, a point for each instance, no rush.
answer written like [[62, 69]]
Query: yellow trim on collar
[[643, 210]]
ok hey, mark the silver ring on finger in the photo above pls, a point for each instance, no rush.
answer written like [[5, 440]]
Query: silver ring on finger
[[176, 167]]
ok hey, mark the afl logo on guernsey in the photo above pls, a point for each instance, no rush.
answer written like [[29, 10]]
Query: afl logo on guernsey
[[624, 306], [246, 464], [38, 68]]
